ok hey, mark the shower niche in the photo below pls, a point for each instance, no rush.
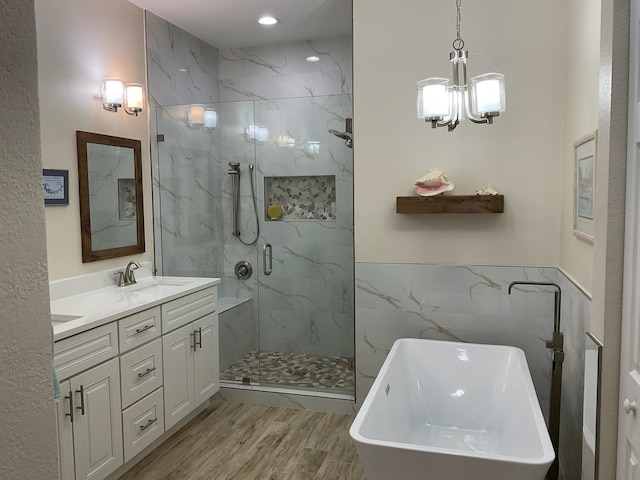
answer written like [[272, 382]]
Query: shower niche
[[290, 198]]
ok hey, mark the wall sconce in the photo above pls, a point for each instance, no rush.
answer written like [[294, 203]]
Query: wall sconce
[[199, 116], [116, 93]]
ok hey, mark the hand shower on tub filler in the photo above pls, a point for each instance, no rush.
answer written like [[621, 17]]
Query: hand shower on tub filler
[[235, 173]]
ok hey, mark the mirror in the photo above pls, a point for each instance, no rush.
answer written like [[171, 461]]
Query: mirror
[[111, 210], [591, 408]]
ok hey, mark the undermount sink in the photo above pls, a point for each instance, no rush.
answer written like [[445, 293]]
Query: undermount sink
[[157, 285], [58, 318]]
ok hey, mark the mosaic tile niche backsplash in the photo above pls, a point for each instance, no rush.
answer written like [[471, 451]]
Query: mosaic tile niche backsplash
[[302, 198]]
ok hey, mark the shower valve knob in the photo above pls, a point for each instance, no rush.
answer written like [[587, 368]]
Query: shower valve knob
[[243, 270], [629, 406]]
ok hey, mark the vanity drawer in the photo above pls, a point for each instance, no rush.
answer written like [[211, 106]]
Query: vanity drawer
[[183, 310], [87, 349], [137, 329], [141, 372], [142, 423]]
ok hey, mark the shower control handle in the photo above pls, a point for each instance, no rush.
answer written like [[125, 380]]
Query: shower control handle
[[267, 267]]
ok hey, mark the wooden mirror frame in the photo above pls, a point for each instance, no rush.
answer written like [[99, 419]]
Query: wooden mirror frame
[[88, 253]]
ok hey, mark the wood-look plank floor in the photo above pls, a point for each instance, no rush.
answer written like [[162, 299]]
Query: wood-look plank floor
[[241, 441]]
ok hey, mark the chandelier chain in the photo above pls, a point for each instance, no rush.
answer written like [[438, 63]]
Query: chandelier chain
[[458, 43]]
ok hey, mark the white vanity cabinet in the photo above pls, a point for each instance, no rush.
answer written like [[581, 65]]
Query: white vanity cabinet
[[64, 411], [128, 379], [191, 370], [97, 425]]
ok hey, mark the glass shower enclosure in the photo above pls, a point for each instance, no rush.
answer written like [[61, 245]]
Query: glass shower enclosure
[[291, 323]]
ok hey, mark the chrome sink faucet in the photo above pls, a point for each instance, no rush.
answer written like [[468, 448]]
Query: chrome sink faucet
[[127, 277]]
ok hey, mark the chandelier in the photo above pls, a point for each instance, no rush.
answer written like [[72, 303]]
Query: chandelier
[[446, 104]]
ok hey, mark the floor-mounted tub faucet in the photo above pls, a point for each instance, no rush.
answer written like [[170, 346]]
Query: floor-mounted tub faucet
[[557, 347]]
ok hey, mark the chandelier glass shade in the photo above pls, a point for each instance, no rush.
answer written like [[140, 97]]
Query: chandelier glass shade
[[445, 103]]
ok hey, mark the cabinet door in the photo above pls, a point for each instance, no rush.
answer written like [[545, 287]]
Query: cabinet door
[[177, 360], [97, 425], [206, 371], [65, 432]]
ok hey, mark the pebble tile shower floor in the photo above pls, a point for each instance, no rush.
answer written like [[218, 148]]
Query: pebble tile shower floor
[[294, 370]]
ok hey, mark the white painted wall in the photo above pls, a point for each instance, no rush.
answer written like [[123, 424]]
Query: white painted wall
[[81, 42], [399, 43], [27, 422], [581, 75]]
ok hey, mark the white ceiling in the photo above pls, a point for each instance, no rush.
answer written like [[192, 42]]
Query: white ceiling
[[233, 23]]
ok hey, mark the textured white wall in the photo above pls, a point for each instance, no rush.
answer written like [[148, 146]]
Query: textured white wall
[[27, 422], [81, 42], [581, 74], [399, 43]]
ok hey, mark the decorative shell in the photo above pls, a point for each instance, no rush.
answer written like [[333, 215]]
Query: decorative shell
[[432, 183], [488, 190]]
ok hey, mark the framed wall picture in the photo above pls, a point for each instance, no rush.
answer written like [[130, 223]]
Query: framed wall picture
[[584, 187], [56, 186]]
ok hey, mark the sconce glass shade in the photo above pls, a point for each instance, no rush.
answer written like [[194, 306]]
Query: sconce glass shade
[[195, 115], [134, 98], [433, 98], [112, 94], [487, 94], [210, 118]]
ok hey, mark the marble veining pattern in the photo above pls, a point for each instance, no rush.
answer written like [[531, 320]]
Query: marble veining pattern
[[281, 71], [471, 304]]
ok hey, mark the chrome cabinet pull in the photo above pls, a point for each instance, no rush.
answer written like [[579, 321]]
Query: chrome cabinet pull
[[199, 341], [193, 337], [149, 370], [70, 398], [149, 423], [143, 329], [81, 392], [267, 269]]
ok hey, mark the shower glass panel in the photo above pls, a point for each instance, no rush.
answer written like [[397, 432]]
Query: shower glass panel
[[300, 334], [306, 302]]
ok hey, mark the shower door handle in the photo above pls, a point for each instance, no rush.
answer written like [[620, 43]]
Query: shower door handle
[[267, 266]]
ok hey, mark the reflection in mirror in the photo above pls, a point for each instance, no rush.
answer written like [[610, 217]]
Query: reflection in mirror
[[111, 210], [591, 408]]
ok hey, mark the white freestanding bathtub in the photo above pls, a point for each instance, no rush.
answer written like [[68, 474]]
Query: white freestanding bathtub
[[452, 411]]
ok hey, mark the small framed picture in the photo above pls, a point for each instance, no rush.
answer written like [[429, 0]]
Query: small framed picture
[[584, 187], [56, 186]]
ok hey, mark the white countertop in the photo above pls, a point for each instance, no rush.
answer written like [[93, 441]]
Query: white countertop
[[98, 307]]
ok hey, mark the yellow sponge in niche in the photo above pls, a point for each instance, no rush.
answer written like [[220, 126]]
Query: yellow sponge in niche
[[274, 212]]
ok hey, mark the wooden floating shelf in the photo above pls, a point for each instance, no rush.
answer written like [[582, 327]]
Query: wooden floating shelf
[[451, 204]]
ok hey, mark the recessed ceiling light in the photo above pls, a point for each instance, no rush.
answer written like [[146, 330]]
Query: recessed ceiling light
[[313, 58], [267, 20]]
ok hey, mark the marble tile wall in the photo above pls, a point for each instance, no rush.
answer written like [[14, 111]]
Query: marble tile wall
[[281, 71], [470, 304], [237, 334], [181, 70]]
